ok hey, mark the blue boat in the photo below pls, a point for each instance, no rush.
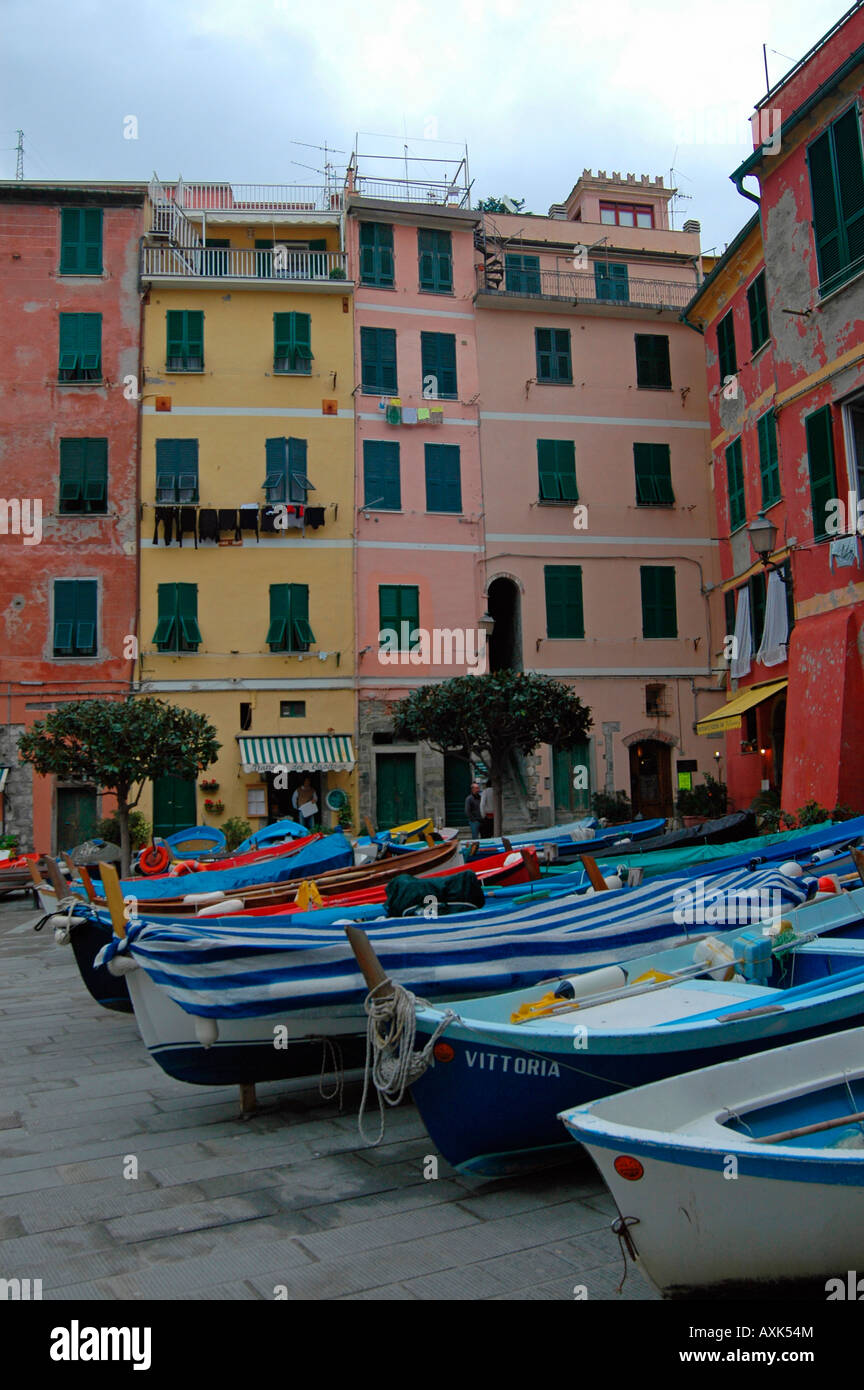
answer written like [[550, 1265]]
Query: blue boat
[[490, 1101], [750, 1171]]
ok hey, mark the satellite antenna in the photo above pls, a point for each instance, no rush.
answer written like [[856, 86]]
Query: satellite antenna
[[509, 205]]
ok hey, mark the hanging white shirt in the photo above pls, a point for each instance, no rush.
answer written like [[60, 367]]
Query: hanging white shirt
[[743, 636], [775, 633]]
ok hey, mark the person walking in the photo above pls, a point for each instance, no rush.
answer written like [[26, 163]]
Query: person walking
[[487, 811], [473, 811], [305, 801]]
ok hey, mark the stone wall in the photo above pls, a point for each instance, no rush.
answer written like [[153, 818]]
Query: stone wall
[[18, 796]]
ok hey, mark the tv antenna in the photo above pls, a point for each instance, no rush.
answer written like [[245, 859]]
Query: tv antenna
[[19, 155]]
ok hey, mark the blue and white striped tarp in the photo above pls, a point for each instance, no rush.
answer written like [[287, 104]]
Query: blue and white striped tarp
[[248, 969]]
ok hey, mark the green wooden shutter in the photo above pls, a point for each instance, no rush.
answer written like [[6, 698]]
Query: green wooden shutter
[[659, 608], [376, 253], [91, 345], [735, 484], [64, 617], [435, 261], [837, 191], [75, 612], [85, 617], [187, 615], [280, 614], [564, 613], [187, 472], [556, 467], [820, 459], [438, 359], [398, 604], [167, 629], [553, 354], [302, 635], [543, 343], [729, 612], [846, 133], [276, 469], [757, 610], [727, 357], [297, 465], [282, 354], [175, 339], [757, 307], [378, 361], [561, 345], [443, 478], [653, 475], [72, 465], [522, 274], [381, 481], [194, 347], [652, 361], [302, 325], [81, 241], [70, 346], [611, 282], [769, 470]]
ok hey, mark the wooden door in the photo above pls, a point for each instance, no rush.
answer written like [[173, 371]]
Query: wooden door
[[173, 805], [395, 789], [76, 816], [651, 779], [571, 800]]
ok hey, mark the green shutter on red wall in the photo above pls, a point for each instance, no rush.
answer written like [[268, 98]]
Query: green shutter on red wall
[[735, 484], [757, 307], [820, 459], [80, 356], [75, 616], [837, 191], [769, 470], [81, 241], [727, 357], [83, 475]]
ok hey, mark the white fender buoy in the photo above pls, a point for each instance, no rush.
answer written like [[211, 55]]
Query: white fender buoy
[[206, 1031], [791, 869], [224, 905], [821, 854], [613, 881], [201, 899]]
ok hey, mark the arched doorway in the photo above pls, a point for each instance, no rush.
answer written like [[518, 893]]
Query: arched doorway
[[651, 778], [778, 740], [505, 644]]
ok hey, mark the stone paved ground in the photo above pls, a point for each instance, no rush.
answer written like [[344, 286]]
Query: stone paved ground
[[227, 1209]]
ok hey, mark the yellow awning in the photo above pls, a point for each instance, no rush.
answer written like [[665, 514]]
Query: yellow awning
[[729, 716]]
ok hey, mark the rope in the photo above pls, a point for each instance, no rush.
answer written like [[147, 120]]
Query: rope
[[625, 1243], [63, 929], [392, 1064], [331, 1060]]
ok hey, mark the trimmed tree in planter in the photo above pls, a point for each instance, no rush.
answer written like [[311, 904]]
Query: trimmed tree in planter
[[493, 717], [120, 745]]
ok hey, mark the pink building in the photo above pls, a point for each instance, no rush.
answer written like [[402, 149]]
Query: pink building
[[419, 531], [600, 559]]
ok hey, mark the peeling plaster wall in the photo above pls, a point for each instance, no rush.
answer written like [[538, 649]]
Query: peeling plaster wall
[[36, 412]]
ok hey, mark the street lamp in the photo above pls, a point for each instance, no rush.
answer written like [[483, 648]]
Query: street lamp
[[486, 624], [763, 537]]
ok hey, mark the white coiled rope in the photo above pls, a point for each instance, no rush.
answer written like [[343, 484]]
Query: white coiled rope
[[63, 920], [392, 1062]]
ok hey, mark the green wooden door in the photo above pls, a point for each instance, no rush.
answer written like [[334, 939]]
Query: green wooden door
[[571, 800], [76, 816], [457, 784], [173, 805], [396, 789]]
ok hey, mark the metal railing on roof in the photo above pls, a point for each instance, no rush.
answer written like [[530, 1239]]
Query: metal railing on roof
[[585, 288], [279, 199], [280, 264]]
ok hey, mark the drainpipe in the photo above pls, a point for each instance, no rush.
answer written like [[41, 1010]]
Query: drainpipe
[[739, 184]]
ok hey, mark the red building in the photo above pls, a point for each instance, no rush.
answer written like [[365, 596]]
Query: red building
[[70, 365], [783, 317]]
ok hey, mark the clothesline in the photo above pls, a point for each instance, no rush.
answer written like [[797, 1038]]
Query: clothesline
[[208, 523]]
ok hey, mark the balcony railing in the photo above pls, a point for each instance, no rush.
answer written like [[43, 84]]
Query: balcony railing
[[411, 191], [280, 264], [274, 198], [578, 287]]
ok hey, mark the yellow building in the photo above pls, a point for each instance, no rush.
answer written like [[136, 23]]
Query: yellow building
[[247, 477]]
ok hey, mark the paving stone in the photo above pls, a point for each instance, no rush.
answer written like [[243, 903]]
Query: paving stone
[[191, 1216]]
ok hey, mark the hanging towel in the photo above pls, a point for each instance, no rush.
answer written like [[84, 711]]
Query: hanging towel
[[409, 415], [775, 633], [845, 550], [383, 403], [422, 413], [292, 517], [249, 519], [208, 524], [315, 517], [743, 636], [268, 520], [166, 516], [394, 415], [188, 522], [436, 415], [228, 521]]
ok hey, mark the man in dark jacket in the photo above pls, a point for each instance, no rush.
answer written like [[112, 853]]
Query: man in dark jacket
[[472, 810]]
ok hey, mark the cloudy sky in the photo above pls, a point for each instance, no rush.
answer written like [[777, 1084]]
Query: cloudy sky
[[239, 90]]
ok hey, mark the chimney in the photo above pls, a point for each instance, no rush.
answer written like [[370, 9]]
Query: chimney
[[691, 225]]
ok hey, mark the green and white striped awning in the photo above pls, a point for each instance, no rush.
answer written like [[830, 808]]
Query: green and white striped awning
[[315, 753], [4, 774]]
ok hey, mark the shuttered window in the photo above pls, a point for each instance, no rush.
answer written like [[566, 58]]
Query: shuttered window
[[727, 358], [758, 591], [83, 476], [176, 470], [556, 467], [757, 307], [611, 281], [443, 478], [75, 617], [398, 605], [564, 612], [522, 274], [769, 468], [820, 460], [177, 628], [553, 354], [289, 629], [438, 359], [659, 609], [80, 357], [381, 482], [81, 241], [184, 351], [376, 254], [435, 254], [275, 482], [837, 191], [292, 343], [735, 485], [378, 361], [652, 361], [653, 475]]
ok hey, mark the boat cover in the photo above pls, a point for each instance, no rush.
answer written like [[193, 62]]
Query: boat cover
[[330, 852]]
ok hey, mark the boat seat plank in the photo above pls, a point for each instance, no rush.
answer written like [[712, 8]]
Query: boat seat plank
[[831, 948]]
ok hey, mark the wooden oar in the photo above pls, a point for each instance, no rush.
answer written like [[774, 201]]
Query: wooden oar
[[812, 1129]]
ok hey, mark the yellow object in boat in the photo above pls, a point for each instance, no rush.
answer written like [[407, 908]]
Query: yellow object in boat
[[536, 1007], [652, 977], [307, 893], [412, 830]]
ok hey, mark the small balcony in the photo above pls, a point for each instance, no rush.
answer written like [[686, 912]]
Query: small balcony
[[582, 290], [244, 199], [252, 265]]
